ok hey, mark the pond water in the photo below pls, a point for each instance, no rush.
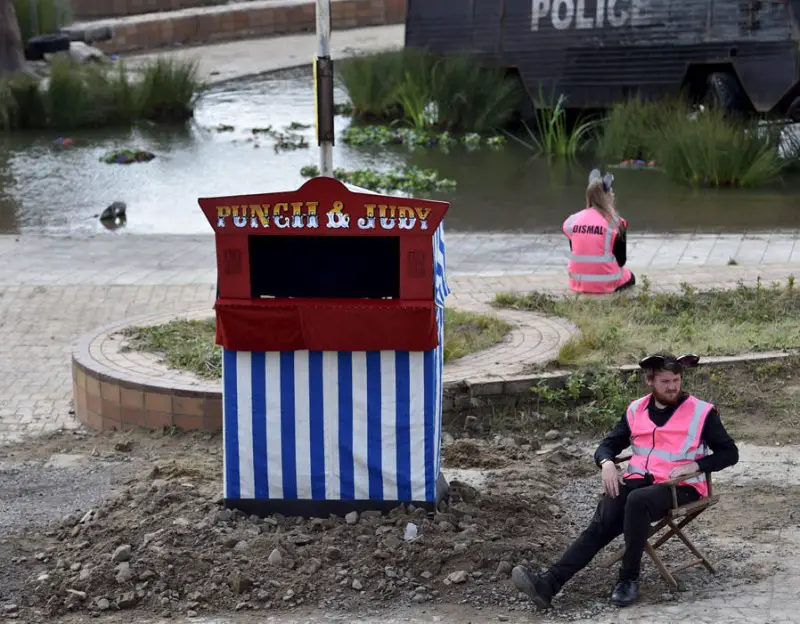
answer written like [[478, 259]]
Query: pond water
[[59, 190]]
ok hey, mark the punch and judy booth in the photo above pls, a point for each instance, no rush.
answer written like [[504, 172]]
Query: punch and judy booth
[[330, 311]]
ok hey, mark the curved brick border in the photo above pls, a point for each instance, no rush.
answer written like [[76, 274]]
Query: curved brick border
[[131, 392], [116, 389]]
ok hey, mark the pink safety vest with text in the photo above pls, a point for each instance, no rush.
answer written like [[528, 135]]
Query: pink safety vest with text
[[658, 450], [592, 265]]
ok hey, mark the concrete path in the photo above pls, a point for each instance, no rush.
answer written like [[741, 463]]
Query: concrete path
[[220, 62]]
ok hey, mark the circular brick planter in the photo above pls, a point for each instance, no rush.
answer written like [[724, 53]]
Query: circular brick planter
[[114, 389]]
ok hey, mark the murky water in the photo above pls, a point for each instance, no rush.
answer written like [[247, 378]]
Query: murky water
[[55, 190]]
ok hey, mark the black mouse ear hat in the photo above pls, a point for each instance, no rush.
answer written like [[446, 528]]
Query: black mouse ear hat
[[667, 361]]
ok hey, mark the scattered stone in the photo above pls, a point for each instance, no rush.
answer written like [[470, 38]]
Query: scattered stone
[[504, 568], [78, 594], [126, 600], [122, 553], [125, 446], [351, 518], [146, 575], [371, 513], [357, 585], [191, 613], [457, 577], [551, 435], [426, 574], [124, 573], [502, 618], [333, 553], [103, 604], [10, 608], [275, 558], [241, 546], [239, 583], [472, 424]]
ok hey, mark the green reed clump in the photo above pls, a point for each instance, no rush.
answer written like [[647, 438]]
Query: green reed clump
[[430, 91], [39, 17], [631, 129], [81, 96], [714, 151], [554, 135]]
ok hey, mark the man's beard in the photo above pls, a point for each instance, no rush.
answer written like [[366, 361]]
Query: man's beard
[[669, 400]]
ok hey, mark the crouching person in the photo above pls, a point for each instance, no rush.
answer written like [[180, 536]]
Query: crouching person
[[598, 241]]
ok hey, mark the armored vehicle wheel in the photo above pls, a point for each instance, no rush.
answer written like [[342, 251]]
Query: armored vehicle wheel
[[46, 44], [722, 93]]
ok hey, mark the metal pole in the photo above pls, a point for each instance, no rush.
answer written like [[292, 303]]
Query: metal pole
[[323, 78]]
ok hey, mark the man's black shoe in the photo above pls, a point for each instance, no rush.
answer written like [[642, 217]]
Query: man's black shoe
[[625, 593], [535, 586]]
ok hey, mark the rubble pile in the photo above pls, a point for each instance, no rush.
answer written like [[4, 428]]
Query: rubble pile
[[165, 544]]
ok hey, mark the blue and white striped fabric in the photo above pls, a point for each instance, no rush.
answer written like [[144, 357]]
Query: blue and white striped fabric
[[336, 425]]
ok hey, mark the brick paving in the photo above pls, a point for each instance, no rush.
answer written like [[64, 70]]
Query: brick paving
[[54, 290]]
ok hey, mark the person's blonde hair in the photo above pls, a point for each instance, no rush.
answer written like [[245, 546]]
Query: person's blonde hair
[[597, 198]]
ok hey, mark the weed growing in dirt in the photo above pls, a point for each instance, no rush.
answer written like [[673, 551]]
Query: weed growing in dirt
[[592, 399], [191, 345], [622, 328]]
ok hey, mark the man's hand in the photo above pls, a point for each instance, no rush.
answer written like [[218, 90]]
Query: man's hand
[[611, 479], [685, 469]]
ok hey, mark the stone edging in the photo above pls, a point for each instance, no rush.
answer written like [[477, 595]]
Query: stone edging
[[109, 395], [509, 390]]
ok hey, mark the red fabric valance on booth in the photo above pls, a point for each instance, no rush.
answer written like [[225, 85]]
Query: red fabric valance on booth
[[326, 325]]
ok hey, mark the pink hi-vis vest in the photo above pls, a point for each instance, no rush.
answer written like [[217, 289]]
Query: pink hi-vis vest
[[657, 450], [592, 265]]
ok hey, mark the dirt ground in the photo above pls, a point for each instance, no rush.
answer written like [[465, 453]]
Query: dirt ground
[[94, 524]]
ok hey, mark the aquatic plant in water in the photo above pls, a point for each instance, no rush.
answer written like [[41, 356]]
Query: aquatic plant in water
[[412, 137], [425, 90], [553, 136], [406, 179], [126, 157]]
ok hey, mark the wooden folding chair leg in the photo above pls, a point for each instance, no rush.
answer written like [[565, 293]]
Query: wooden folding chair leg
[[691, 547], [621, 552], [661, 567], [684, 521]]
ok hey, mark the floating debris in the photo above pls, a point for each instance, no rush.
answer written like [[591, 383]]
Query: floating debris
[[406, 179], [224, 128], [386, 135], [345, 110], [126, 157]]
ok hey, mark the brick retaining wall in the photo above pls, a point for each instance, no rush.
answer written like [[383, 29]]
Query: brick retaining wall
[[258, 18], [96, 9]]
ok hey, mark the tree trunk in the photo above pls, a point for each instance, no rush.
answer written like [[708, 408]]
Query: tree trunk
[[12, 57]]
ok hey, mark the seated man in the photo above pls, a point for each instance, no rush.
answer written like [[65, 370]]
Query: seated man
[[670, 433]]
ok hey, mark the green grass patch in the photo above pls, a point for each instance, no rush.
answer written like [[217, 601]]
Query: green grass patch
[[408, 179], [190, 345], [91, 96], [621, 329], [695, 149], [758, 401], [429, 91]]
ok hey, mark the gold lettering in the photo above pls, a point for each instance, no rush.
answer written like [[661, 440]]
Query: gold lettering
[[406, 217], [368, 222], [223, 212], [423, 213], [387, 223], [337, 218], [259, 215], [311, 209], [239, 220], [278, 218]]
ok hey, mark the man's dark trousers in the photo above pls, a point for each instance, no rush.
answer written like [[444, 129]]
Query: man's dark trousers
[[638, 504]]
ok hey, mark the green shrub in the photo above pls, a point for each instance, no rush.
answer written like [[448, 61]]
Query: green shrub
[[714, 151], [41, 16], [81, 96], [426, 91], [631, 128]]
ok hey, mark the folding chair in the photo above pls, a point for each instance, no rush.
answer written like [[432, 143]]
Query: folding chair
[[676, 519]]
